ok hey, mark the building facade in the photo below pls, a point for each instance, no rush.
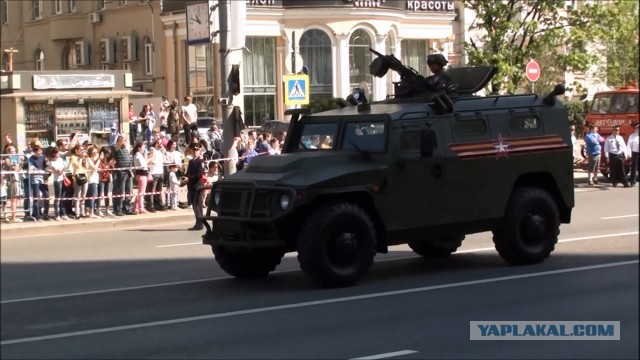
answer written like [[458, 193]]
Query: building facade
[[332, 37], [149, 39], [86, 35]]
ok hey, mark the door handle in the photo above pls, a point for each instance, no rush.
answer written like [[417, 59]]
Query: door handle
[[436, 171]]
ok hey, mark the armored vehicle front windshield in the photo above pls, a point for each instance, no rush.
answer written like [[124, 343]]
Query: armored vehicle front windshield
[[348, 135]]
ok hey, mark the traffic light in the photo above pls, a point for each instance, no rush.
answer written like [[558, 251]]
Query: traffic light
[[233, 81]]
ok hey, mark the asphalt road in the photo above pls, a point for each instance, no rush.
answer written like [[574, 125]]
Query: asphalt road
[[156, 293]]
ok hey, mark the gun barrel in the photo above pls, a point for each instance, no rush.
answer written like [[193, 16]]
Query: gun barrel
[[375, 52]]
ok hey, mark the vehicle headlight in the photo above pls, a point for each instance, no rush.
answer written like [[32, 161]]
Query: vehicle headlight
[[216, 198], [284, 201]]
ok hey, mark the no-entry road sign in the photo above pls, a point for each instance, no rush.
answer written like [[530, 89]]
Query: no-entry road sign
[[533, 71]]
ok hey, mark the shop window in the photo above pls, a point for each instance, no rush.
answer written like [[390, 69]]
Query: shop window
[[36, 9], [72, 6], [360, 59], [315, 49], [259, 79], [414, 54], [69, 57], [4, 12], [57, 7], [148, 56], [39, 59]]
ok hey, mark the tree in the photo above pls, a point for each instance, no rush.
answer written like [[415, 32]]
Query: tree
[[509, 33], [619, 40]]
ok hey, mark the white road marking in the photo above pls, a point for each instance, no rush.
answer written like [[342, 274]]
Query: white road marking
[[183, 244], [387, 355], [312, 303], [182, 282], [618, 217]]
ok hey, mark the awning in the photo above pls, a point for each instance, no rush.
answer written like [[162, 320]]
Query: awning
[[73, 95]]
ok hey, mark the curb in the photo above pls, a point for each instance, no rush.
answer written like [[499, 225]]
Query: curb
[[90, 225]]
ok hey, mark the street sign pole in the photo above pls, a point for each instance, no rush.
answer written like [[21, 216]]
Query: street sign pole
[[293, 56]]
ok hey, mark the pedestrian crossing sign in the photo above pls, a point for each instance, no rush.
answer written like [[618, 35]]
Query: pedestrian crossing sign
[[296, 89]]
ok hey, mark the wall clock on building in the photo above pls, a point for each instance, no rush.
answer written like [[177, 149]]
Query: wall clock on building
[[198, 27]]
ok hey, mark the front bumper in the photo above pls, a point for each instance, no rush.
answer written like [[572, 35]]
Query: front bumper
[[248, 215]]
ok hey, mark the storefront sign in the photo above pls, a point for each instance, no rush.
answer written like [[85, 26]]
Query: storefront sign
[[430, 5], [73, 81], [265, 3], [367, 3]]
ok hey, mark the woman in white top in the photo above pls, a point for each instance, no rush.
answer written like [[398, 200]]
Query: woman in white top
[[93, 176], [158, 157], [57, 166], [141, 164]]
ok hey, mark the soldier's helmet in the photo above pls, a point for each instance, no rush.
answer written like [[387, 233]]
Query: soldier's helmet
[[437, 59]]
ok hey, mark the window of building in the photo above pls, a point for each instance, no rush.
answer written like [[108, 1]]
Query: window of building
[[72, 5], [315, 49], [259, 80], [390, 48], [39, 59], [472, 127], [36, 9], [360, 59], [148, 56], [200, 77], [100, 4], [5, 61], [122, 2], [4, 15], [126, 65], [414, 54], [69, 57], [57, 7]]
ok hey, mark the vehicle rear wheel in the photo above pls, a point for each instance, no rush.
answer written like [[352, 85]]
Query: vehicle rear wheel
[[336, 245], [529, 231], [247, 265], [436, 248]]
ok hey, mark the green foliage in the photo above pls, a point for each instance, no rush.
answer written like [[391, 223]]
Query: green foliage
[[508, 33], [576, 110], [323, 104]]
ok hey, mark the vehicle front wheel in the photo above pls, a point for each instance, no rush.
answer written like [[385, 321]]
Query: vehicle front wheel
[[529, 231], [336, 245], [247, 265], [436, 248]]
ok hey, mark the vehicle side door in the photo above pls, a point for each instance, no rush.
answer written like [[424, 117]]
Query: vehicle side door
[[413, 192]]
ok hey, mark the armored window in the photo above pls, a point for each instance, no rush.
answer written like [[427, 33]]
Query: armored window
[[524, 123], [318, 136], [366, 136], [473, 127], [410, 142]]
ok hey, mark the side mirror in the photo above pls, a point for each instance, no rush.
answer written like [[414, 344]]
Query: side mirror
[[429, 143]]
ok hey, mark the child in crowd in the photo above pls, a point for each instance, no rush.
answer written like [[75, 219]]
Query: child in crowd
[[174, 186]]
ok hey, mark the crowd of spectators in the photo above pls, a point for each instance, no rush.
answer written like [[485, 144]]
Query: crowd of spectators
[[89, 181]]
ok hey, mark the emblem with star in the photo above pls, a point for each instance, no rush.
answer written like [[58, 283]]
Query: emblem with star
[[502, 148]]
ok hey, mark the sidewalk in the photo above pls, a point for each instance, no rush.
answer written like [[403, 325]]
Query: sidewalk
[[184, 217]]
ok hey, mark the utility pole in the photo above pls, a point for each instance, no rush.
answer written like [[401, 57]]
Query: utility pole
[[226, 97]]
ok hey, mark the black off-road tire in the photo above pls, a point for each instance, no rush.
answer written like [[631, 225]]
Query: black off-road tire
[[331, 232], [530, 228], [436, 249], [247, 264]]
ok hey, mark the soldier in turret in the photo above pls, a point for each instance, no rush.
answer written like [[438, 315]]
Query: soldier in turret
[[439, 80]]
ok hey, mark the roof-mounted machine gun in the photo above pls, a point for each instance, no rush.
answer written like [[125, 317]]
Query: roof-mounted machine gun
[[411, 83]]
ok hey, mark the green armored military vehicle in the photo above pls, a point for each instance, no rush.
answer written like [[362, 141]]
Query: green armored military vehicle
[[425, 168]]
